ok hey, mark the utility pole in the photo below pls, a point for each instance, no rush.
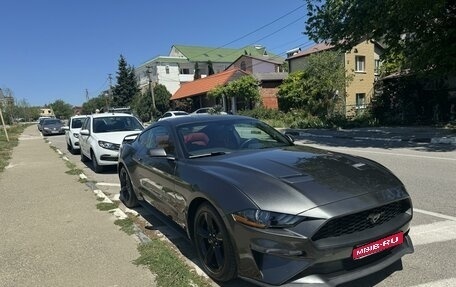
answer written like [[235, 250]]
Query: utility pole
[[149, 73], [87, 95]]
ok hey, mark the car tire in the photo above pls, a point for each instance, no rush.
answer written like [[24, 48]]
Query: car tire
[[213, 244], [83, 157], [127, 193], [70, 147], [96, 167]]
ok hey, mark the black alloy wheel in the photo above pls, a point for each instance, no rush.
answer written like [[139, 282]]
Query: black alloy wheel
[[127, 194], [70, 147], [213, 244]]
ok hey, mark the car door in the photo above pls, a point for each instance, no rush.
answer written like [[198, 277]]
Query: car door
[[155, 174]]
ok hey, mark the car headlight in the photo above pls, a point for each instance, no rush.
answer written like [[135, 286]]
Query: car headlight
[[47, 129], [266, 219], [108, 145], [76, 135]]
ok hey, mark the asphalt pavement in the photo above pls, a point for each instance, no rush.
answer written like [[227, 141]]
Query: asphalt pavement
[[52, 234]]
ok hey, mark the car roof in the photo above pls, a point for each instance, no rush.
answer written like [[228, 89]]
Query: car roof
[[79, 116], [102, 115], [175, 121]]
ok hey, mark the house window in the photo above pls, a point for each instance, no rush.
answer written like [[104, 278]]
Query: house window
[[360, 100], [185, 71], [360, 63], [243, 66], [167, 69], [377, 66]]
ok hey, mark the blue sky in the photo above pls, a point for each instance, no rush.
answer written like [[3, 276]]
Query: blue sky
[[56, 49]]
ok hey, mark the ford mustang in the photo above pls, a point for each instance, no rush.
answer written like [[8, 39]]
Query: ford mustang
[[260, 207]]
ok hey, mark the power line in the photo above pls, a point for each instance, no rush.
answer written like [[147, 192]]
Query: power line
[[254, 31]]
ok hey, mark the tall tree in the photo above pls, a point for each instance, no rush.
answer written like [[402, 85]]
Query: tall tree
[[315, 88], [62, 110], [142, 103], [127, 87], [162, 97], [420, 34]]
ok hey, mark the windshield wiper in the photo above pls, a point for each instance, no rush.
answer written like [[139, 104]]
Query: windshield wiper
[[215, 153]]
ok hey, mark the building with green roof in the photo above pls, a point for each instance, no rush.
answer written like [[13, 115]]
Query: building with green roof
[[179, 66]]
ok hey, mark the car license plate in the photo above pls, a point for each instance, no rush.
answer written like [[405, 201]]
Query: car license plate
[[378, 246]]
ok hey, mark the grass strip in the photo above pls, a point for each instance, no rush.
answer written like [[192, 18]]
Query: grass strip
[[6, 147], [171, 270]]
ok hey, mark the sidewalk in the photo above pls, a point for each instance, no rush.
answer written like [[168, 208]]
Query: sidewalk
[[398, 134], [52, 233]]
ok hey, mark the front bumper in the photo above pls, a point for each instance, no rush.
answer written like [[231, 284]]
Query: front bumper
[[108, 157], [290, 257]]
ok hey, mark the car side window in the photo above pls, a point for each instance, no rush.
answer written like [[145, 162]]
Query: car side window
[[158, 137]]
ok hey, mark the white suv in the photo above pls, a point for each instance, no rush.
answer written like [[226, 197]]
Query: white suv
[[101, 135], [72, 133]]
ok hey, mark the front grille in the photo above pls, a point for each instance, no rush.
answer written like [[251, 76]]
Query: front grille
[[362, 220]]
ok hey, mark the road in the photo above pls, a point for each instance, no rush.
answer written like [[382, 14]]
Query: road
[[429, 174]]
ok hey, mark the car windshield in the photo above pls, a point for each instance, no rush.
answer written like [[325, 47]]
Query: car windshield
[[51, 122], [116, 124], [77, 123], [221, 137]]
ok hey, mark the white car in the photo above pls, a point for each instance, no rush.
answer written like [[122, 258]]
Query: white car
[[101, 135], [208, 110], [72, 133], [172, 114]]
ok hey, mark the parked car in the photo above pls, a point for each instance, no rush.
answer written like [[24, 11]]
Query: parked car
[[172, 114], [72, 133], [260, 207], [208, 110], [52, 127], [40, 122], [101, 135]]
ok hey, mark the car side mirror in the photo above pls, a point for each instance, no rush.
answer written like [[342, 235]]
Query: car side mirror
[[157, 152], [66, 128], [84, 132]]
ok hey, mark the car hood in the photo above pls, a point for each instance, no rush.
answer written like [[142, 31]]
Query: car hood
[[114, 137], [298, 178]]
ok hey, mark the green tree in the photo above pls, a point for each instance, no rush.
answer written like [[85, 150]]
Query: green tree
[[316, 88], [127, 87], [142, 103], [419, 34], [244, 90], [93, 104], [62, 110], [23, 110], [162, 97]]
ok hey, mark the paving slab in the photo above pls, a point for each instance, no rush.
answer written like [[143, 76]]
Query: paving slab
[[52, 233]]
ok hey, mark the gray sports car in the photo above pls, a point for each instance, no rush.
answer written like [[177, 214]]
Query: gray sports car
[[259, 207]]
